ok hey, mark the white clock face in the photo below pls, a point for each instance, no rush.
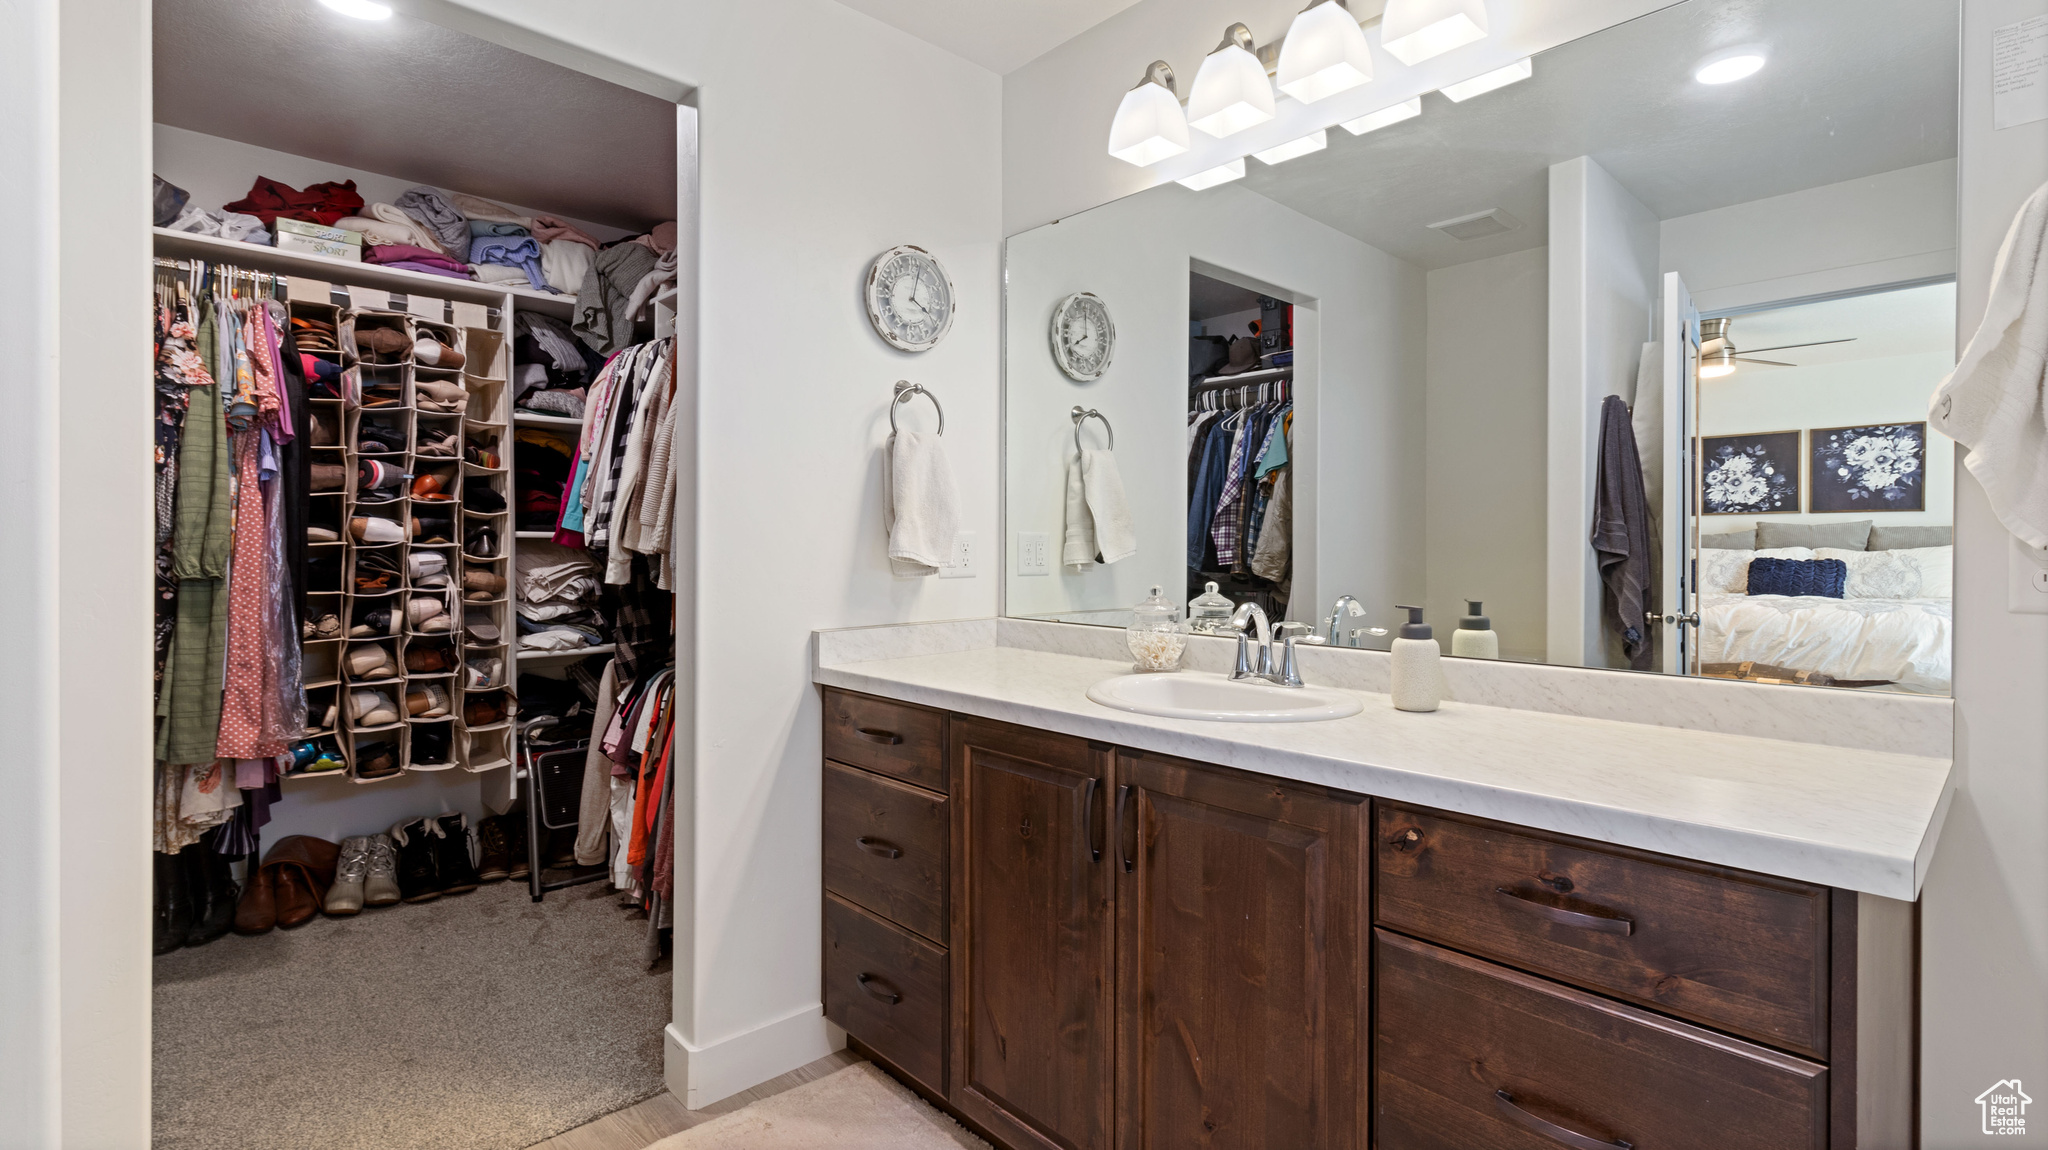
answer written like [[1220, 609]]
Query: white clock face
[[1083, 338], [910, 298]]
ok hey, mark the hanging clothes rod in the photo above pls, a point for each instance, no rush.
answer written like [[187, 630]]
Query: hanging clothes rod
[[1082, 414], [905, 390]]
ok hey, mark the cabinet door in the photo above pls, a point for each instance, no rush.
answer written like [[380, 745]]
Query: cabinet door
[[1241, 960], [1032, 932]]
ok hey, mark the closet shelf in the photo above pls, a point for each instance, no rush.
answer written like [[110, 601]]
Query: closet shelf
[[533, 535], [572, 653], [1262, 376], [539, 420], [257, 257]]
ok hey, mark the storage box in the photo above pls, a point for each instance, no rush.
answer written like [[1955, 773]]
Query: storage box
[[293, 242], [318, 232]]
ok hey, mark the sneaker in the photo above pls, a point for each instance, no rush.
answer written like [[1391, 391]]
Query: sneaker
[[451, 854], [419, 876], [380, 888], [350, 872], [494, 851]]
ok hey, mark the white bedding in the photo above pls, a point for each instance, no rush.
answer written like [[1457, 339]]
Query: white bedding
[[1905, 641]]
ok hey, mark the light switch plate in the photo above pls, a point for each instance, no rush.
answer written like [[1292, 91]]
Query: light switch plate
[[964, 551], [2026, 590], [1034, 553]]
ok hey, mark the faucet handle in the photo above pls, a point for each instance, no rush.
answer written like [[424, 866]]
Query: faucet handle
[[1290, 674]]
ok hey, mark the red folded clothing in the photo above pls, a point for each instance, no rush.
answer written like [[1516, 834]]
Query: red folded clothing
[[318, 204], [408, 254]]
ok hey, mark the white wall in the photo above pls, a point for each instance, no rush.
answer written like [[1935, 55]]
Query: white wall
[[1487, 397], [1603, 297], [1890, 228], [1359, 349], [1984, 914]]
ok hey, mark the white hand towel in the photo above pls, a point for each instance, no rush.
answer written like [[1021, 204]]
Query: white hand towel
[[923, 504], [1994, 402], [1098, 528]]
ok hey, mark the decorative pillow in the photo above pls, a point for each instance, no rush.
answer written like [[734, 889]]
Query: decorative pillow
[[1727, 572], [1853, 535], [1729, 541], [1909, 573], [1821, 577], [1916, 536]]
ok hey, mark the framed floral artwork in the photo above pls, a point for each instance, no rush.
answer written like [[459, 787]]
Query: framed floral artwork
[[1754, 474], [1879, 467]]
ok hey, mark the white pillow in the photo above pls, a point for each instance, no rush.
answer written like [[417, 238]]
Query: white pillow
[[1727, 572], [1908, 573]]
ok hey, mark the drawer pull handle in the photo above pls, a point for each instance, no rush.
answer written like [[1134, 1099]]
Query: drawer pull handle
[[892, 998], [1608, 923], [1551, 1130], [886, 738], [880, 847]]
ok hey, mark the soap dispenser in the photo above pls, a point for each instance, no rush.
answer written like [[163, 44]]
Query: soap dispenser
[[1418, 665], [1475, 637]]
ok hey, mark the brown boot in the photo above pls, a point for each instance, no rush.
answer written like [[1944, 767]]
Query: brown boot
[[296, 904], [257, 912]]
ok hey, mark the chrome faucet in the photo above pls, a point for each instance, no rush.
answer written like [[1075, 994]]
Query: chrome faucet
[[1334, 636], [1251, 613]]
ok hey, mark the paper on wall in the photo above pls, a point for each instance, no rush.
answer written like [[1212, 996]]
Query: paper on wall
[[2019, 73]]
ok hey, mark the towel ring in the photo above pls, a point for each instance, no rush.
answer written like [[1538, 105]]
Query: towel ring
[[1084, 413], [904, 391]]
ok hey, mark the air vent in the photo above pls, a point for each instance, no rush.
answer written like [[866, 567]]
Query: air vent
[[1478, 225]]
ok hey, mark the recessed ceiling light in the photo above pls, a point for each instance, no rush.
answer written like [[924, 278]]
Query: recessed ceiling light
[[360, 9], [1728, 69]]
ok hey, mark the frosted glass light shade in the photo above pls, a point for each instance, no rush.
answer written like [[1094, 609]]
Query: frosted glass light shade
[[1405, 110], [1414, 30], [1223, 174], [1325, 53], [1315, 141], [1487, 81], [1231, 93], [1149, 126]]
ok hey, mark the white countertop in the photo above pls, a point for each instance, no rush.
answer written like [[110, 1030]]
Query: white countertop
[[1862, 820]]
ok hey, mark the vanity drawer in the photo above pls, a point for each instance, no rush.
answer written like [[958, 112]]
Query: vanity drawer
[[1739, 951], [885, 848], [887, 987], [893, 738], [1468, 1054]]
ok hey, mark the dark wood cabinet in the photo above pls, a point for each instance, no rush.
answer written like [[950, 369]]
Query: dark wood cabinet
[[1033, 937], [1241, 960], [888, 986], [885, 848]]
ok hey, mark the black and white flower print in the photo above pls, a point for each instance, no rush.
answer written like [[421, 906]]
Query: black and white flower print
[[1751, 474], [1876, 468]]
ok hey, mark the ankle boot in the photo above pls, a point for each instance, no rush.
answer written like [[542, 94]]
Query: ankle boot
[[256, 913], [212, 881], [173, 904]]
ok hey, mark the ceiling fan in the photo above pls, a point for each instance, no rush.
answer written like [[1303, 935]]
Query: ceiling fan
[[1718, 355]]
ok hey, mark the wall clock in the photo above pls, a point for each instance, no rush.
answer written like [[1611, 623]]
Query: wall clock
[[1083, 338], [910, 298]]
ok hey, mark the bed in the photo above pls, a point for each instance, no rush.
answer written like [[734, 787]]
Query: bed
[[1893, 627]]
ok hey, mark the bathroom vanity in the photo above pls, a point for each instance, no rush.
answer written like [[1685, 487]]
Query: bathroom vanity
[[1078, 927]]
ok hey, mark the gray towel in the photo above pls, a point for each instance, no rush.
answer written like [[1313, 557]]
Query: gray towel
[[1622, 539], [438, 216], [602, 320]]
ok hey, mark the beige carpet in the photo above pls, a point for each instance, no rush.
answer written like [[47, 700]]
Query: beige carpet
[[858, 1108]]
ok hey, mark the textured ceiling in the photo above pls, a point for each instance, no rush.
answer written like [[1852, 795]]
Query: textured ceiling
[[1853, 88], [414, 100], [1000, 35]]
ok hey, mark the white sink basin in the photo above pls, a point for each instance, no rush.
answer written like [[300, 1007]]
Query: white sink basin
[[1193, 695]]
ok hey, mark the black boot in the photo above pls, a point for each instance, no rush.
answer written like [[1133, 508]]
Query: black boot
[[173, 905], [211, 878]]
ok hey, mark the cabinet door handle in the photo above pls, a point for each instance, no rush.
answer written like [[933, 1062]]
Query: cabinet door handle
[[886, 738], [1123, 847], [1088, 820], [1551, 1130], [890, 996], [882, 847], [1607, 922]]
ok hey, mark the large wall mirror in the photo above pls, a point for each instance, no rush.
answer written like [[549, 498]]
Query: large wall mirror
[[1636, 362]]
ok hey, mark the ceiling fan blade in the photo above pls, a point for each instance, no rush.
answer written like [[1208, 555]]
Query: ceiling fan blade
[[1790, 346], [1765, 362]]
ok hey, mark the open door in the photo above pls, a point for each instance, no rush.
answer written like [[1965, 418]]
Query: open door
[[1678, 591]]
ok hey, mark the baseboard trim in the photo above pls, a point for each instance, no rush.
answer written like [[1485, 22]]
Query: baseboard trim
[[702, 1075]]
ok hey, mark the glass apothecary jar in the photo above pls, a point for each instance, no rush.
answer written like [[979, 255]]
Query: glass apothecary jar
[[1209, 612], [1156, 635]]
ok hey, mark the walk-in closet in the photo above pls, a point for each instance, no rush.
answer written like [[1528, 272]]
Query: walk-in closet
[[415, 395]]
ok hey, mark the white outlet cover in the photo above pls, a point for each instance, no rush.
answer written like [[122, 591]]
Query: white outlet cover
[[2026, 591], [1034, 553], [964, 551]]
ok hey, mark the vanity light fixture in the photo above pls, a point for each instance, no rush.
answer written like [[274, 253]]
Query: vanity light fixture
[[1373, 121], [1231, 91], [1485, 82], [1727, 67], [360, 9], [1315, 141], [1415, 30], [1223, 174], [1324, 53], [1149, 125]]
